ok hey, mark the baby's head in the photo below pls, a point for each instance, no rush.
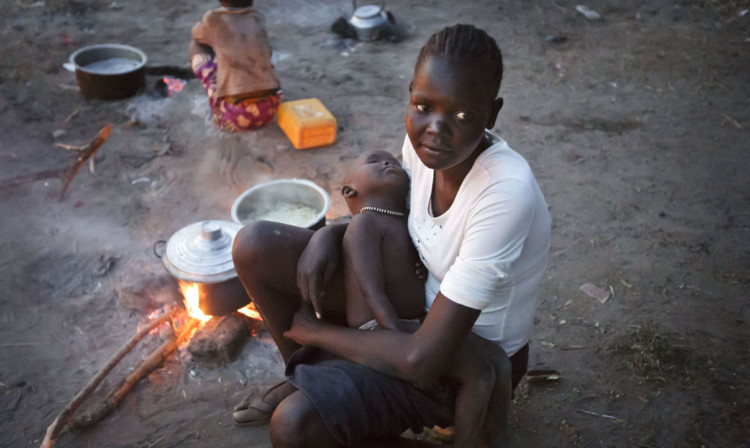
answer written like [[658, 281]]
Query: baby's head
[[375, 179], [454, 96], [236, 3]]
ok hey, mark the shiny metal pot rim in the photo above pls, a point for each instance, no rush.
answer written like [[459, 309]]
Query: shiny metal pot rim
[[111, 50], [289, 190], [201, 252]]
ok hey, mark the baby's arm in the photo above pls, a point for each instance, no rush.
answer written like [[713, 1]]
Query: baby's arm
[[363, 242]]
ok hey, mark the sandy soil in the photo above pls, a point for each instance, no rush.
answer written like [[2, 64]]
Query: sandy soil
[[636, 127]]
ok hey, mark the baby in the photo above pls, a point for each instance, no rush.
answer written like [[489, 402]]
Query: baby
[[379, 258], [383, 291], [231, 56]]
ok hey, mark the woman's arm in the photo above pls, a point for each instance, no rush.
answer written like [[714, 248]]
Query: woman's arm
[[319, 261], [419, 357]]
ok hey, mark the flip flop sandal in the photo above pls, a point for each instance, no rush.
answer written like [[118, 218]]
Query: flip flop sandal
[[258, 411]]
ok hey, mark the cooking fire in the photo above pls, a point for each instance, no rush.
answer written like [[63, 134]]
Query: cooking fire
[[192, 298], [190, 324]]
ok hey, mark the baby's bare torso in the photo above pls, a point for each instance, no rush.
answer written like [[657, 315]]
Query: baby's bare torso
[[398, 259]]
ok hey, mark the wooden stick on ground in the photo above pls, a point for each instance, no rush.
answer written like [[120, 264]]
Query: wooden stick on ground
[[84, 154], [31, 177], [64, 417], [144, 368]]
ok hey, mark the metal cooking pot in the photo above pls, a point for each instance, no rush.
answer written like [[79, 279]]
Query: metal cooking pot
[[369, 21], [260, 201], [202, 253], [109, 71]]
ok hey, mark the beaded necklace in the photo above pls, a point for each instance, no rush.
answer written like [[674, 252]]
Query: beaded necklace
[[381, 210]]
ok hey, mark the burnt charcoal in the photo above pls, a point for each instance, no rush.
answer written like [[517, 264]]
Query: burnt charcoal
[[343, 28], [160, 88], [220, 340], [175, 71]]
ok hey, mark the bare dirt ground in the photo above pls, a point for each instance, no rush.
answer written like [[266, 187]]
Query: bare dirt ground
[[637, 127]]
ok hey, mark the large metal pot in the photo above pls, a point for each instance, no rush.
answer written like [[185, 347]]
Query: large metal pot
[[202, 253], [109, 71]]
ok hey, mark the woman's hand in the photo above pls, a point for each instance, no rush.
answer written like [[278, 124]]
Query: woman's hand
[[303, 326], [318, 263], [419, 357]]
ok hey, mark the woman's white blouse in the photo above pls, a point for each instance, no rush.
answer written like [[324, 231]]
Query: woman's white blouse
[[490, 249]]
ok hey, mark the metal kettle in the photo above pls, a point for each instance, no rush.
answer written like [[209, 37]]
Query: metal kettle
[[370, 22]]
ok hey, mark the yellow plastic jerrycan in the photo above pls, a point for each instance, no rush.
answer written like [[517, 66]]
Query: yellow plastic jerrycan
[[307, 123]]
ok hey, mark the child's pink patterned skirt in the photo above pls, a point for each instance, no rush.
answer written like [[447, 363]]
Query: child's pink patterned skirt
[[244, 115]]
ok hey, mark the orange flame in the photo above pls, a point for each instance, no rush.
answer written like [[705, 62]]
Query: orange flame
[[250, 312], [191, 292]]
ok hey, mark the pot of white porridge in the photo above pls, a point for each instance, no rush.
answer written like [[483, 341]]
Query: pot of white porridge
[[297, 202]]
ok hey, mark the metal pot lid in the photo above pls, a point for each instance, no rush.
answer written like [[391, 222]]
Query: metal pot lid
[[367, 12], [202, 252]]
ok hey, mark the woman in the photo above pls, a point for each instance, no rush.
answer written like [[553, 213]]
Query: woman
[[481, 226]]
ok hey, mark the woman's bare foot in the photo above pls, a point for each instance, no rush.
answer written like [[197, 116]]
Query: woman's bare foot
[[258, 411]]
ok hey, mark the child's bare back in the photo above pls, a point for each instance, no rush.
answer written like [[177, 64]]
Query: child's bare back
[[231, 56]]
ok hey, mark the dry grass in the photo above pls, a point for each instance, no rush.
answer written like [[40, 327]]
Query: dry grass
[[656, 355]]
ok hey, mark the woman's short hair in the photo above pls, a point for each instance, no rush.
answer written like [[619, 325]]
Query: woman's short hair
[[465, 41]]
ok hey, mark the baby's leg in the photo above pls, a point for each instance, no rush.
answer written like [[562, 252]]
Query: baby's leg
[[476, 379], [483, 399], [498, 411]]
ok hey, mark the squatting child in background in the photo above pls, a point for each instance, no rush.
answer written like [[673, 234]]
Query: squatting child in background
[[383, 291], [230, 55]]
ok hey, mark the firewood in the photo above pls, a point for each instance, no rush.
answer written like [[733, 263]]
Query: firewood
[[220, 341], [65, 417], [84, 154], [31, 177], [144, 368]]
